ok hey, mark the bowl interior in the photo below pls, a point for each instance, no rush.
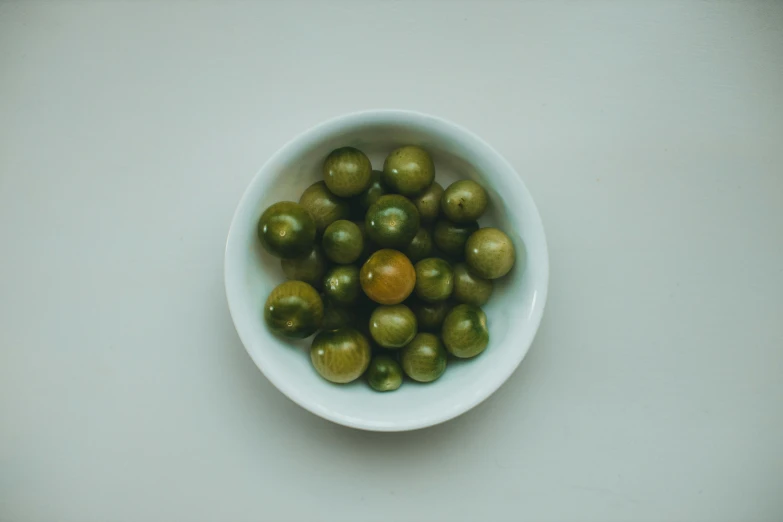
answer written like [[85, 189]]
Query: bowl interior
[[513, 313]]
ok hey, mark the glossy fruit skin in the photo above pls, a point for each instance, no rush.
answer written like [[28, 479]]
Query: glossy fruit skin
[[465, 332], [374, 191], [340, 356], [430, 316], [424, 359], [294, 309], [336, 316], [341, 284], [464, 201], [420, 247], [343, 242], [393, 326], [323, 206], [347, 172], [489, 253], [434, 279], [388, 277], [392, 221], [309, 268], [286, 230], [408, 170], [428, 203], [470, 288], [450, 237], [384, 374], [369, 247]]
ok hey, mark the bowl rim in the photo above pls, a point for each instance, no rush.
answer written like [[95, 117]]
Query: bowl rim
[[541, 288]]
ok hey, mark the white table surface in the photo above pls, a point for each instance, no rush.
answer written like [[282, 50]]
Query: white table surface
[[650, 134]]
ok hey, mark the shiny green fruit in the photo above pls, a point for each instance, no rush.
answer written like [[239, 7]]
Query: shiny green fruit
[[392, 221], [287, 230], [343, 242], [309, 268], [428, 203], [393, 326], [420, 247], [434, 279], [465, 332], [294, 309], [384, 373], [341, 284], [340, 356], [470, 288], [408, 171], [323, 206], [371, 194], [489, 253], [347, 172], [450, 237], [430, 316], [464, 201], [424, 358]]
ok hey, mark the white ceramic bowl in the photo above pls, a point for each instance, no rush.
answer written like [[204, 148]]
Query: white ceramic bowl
[[514, 311]]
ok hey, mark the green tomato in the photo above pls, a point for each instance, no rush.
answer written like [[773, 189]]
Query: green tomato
[[489, 253], [347, 172], [371, 194], [392, 221], [294, 309], [309, 268], [408, 170], [323, 206], [465, 332], [430, 316], [424, 358], [287, 230], [420, 247], [434, 279], [340, 356], [341, 284], [470, 288], [393, 326], [343, 242], [464, 201], [336, 316], [384, 373], [428, 203]]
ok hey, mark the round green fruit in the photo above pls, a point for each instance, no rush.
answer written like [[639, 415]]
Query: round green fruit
[[451, 237], [393, 326], [489, 253], [340, 356], [434, 279], [323, 206], [309, 268], [465, 332], [470, 288], [294, 309], [392, 221], [384, 373], [343, 242], [408, 170], [420, 247], [287, 230], [464, 201], [347, 172], [424, 358], [430, 316], [428, 203], [371, 194], [341, 284]]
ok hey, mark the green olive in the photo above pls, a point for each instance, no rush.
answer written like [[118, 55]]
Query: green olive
[[392, 326], [309, 268], [343, 242], [464, 201], [392, 221], [287, 230], [408, 170], [420, 247], [489, 253], [430, 316], [470, 288], [465, 332], [323, 206], [372, 192], [341, 284], [428, 203], [294, 309], [434, 279], [336, 316], [450, 237], [424, 358], [384, 373], [340, 356], [347, 172]]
